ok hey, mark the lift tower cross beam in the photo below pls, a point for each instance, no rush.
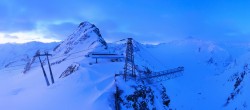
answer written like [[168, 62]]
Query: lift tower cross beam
[[129, 68]]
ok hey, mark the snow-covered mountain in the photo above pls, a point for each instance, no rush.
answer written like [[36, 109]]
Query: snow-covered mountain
[[216, 76], [13, 54], [86, 36]]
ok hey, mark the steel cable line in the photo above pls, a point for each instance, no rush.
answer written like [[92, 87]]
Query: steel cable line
[[62, 55]]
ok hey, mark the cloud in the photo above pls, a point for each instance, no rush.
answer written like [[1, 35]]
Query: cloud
[[23, 37], [159, 20], [10, 36], [52, 18], [21, 12], [62, 30], [16, 26]]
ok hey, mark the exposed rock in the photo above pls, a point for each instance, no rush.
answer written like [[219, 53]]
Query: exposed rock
[[71, 69]]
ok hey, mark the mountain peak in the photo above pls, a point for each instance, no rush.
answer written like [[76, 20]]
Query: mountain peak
[[86, 36], [85, 23]]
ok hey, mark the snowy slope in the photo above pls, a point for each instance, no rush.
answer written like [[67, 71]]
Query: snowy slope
[[205, 83], [215, 77], [21, 53], [77, 91]]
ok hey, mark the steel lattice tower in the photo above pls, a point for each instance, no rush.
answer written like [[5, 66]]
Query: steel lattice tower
[[129, 68]]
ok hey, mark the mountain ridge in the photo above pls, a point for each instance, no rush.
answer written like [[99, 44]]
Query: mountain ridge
[[212, 78]]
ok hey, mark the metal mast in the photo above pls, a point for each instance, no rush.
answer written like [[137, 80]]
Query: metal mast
[[129, 68], [44, 73], [51, 74]]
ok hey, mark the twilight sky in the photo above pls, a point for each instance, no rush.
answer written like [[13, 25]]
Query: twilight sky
[[149, 21]]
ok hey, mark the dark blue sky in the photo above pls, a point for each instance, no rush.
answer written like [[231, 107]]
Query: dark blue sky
[[145, 20]]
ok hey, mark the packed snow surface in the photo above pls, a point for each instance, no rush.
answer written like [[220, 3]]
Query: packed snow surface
[[216, 76]]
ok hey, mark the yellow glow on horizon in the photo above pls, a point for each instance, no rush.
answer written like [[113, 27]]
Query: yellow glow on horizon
[[24, 37]]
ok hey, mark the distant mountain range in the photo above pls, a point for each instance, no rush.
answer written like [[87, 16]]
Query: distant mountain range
[[216, 76]]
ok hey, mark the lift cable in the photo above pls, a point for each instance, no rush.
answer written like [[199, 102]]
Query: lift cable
[[62, 55]]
